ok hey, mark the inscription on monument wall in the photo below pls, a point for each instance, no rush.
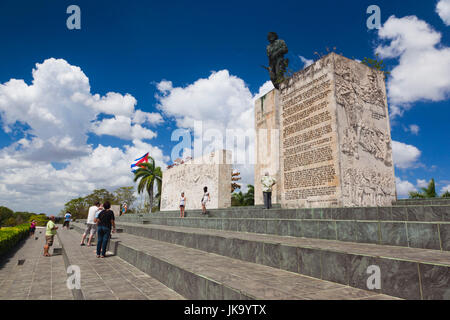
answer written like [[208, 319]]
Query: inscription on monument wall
[[335, 136], [307, 139]]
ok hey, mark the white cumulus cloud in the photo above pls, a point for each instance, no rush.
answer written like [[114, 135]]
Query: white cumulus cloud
[[405, 155], [424, 62], [122, 127], [55, 114], [422, 183], [264, 89], [443, 9], [414, 128], [306, 62], [403, 187], [445, 189], [220, 102]]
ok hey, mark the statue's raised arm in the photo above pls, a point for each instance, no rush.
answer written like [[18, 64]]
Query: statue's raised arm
[[276, 50]]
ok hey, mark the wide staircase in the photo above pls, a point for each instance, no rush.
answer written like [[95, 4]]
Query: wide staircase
[[329, 253]]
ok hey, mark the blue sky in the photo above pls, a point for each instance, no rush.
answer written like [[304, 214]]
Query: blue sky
[[148, 48]]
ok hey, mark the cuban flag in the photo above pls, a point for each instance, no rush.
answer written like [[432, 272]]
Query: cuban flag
[[138, 161]]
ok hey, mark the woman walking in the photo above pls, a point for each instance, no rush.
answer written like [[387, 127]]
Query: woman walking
[[182, 205], [205, 199], [105, 220]]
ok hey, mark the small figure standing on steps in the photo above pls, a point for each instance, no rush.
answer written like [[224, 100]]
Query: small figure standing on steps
[[205, 199], [182, 205], [32, 227], [267, 184], [67, 219], [50, 232]]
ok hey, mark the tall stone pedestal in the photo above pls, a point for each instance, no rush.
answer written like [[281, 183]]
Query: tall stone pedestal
[[267, 122], [335, 142]]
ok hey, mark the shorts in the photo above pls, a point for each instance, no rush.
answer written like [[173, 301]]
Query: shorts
[[49, 240], [91, 229], [66, 223], [32, 230], [181, 205]]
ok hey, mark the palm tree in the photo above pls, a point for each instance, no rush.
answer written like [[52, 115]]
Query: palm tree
[[237, 199], [416, 195], [428, 192], [148, 173], [249, 196]]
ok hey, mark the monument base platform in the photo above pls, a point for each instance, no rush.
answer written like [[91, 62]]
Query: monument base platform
[[409, 243]]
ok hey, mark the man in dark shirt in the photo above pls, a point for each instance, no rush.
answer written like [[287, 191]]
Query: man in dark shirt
[[105, 221]]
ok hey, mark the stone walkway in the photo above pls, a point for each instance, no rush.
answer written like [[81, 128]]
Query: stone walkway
[[39, 277], [111, 278], [44, 278]]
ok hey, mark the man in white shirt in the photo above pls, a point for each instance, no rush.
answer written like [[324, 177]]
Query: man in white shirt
[[91, 226], [267, 183]]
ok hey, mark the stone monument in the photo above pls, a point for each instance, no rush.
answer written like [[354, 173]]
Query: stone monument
[[212, 170], [267, 122], [335, 142]]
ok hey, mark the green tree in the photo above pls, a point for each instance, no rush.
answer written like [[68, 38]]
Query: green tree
[[446, 194], [147, 175], [10, 222], [237, 199], [22, 217], [125, 194], [41, 219], [428, 192], [77, 207], [243, 199], [5, 214], [376, 63], [100, 195], [416, 195], [249, 197]]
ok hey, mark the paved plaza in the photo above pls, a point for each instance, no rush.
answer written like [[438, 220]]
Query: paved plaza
[[113, 278]]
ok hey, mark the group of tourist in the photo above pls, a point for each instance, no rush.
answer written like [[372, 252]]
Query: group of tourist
[[100, 220], [205, 199], [267, 183]]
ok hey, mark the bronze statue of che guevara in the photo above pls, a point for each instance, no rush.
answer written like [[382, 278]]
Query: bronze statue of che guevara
[[276, 50]]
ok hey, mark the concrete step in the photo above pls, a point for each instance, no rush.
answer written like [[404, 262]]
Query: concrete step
[[110, 278], [197, 274], [422, 202], [405, 272], [398, 213], [414, 234]]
